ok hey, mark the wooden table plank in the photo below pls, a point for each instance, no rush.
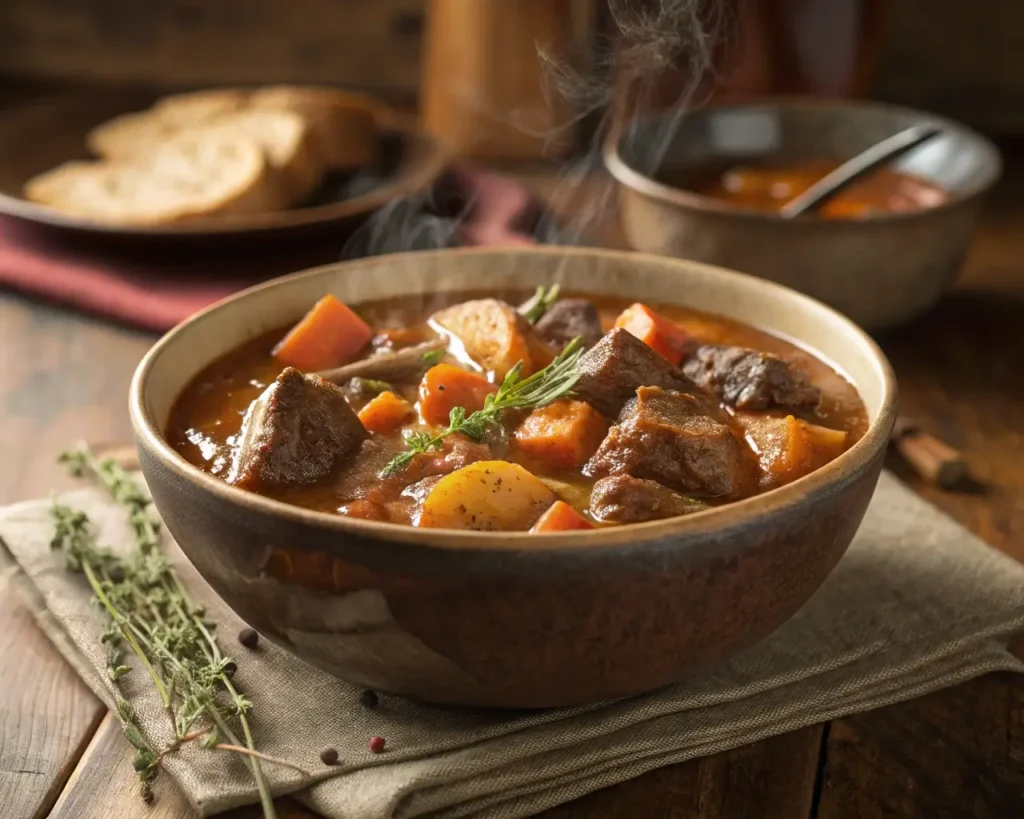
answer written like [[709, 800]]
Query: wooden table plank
[[47, 714], [62, 377], [957, 753]]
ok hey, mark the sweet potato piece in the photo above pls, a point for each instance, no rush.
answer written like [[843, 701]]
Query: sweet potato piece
[[328, 335], [658, 332], [789, 448], [490, 331], [491, 496], [385, 412], [560, 517], [564, 434], [445, 386]]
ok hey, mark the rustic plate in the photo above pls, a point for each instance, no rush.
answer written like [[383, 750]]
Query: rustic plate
[[45, 134]]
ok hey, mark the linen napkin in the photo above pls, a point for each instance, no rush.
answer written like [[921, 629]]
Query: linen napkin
[[917, 604], [155, 287]]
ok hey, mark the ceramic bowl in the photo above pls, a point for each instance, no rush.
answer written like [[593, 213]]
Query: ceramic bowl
[[881, 271], [513, 619]]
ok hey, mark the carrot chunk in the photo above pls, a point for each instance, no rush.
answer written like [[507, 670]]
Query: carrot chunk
[[658, 332], [385, 413], [445, 386], [564, 434], [560, 517], [328, 335]]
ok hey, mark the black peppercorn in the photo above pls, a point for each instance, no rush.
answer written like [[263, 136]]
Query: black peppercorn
[[116, 574], [249, 638], [329, 756], [230, 667], [369, 699]]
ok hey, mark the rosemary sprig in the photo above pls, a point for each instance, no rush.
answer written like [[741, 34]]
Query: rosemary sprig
[[149, 613], [540, 389], [539, 303]]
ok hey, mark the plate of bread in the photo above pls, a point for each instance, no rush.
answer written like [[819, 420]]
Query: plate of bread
[[214, 161]]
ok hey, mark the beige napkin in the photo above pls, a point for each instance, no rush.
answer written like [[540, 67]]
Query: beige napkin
[[917, 604]]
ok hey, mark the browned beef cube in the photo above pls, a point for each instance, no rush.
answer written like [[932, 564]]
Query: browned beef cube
[[295, 433], [612, 369], [749, 379], [624, 499], [567, 319], [668, 436]]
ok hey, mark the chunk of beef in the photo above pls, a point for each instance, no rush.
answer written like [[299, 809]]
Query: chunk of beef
[[668, 436], [567, 319], [625, 499], [749, 379], [612, 369], [294, 433]]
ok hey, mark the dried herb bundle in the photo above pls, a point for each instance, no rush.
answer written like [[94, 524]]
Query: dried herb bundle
[[150, 615]]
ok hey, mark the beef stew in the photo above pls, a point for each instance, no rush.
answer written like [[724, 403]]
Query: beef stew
[[470, 412]]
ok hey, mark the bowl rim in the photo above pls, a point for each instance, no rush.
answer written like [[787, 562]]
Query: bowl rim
[[627, 176], [715, 521]]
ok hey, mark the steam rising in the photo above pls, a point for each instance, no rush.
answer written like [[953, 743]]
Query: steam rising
[[648, 44]]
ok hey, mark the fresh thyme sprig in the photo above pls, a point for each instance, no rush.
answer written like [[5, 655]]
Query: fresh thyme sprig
[[149, 613], [540, 303], [538, 390]]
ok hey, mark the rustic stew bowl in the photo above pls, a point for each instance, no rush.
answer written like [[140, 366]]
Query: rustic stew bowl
[[881, 271], [513, 620]]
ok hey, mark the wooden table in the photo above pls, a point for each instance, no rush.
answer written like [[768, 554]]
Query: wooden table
[[955, 753]]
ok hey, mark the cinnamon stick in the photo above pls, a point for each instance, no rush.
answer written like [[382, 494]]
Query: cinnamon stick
[[936, 462]]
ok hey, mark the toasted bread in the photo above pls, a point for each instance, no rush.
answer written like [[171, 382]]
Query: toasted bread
[[197, 107], [344, 124], [189, 178], [286, 140]]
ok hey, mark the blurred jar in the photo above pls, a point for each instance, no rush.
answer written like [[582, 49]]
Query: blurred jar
[[482, 83]]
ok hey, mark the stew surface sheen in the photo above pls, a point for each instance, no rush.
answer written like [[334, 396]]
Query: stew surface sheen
[[766, 188], [767, 412]]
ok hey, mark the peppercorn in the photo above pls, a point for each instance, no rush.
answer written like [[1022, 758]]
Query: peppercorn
[[230, 667], [369, 699], [377, 745], [329, 756], [249, 638]]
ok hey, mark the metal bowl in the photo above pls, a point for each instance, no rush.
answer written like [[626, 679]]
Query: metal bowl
[[881, 271]]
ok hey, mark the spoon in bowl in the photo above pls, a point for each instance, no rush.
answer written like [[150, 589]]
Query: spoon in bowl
[[879, 154]]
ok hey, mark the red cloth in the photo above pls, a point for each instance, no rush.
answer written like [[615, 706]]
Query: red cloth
[[153, 289]]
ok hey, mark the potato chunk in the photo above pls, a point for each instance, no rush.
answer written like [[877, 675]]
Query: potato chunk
[[489, 496], [490, 332]]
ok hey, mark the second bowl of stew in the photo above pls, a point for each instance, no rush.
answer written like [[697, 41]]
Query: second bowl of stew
[[882, 252], [515, 478]]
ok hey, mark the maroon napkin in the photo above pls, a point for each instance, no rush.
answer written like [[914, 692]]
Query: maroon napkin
[[155, 289]]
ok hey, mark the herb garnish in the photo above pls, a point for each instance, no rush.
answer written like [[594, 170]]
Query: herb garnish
[[542, 388], [432, 357], [539, 303], [149, 612]]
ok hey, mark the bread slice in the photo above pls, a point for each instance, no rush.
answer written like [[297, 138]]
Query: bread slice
[[190, 178], [286, 140], [196, 107], [140, 131], [344, 124]]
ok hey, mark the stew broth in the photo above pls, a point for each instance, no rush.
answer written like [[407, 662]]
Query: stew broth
[[770, 188], [206, 423]]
